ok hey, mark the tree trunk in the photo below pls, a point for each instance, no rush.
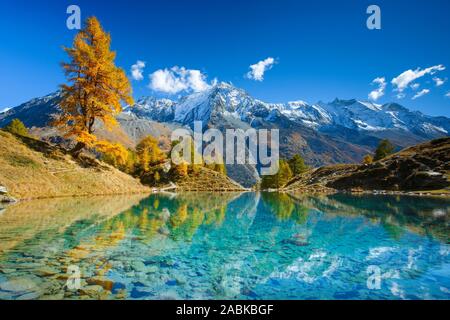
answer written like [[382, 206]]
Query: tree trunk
[[77, 149]]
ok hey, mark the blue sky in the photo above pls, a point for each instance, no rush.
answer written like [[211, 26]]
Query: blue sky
[[321, 49]]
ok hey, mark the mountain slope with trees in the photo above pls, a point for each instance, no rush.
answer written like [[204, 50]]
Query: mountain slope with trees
[[323, 134], [80, 161], [421, 168]]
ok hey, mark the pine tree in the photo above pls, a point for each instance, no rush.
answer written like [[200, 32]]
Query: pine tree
[[17, 127], [96, 86], [284, 174], [279, 179], [297, 165], [384, 149]]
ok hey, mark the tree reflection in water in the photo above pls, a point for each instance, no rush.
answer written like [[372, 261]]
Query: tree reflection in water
[[227, 245]]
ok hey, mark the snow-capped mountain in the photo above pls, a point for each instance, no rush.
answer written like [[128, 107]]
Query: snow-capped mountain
[[152, 108], [342, 131], [229, 101], [34, 113]]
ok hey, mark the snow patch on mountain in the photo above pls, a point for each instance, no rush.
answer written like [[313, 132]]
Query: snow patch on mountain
[[229, 101]]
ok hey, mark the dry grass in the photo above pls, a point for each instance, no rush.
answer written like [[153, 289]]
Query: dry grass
[[32, 169], [208, 180]]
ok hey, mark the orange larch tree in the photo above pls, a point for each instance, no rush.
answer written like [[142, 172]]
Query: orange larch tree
[[149, 153], [96, 87]]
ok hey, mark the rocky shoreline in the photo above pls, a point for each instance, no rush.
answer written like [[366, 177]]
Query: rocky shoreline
[[327, 191], [5, 198]]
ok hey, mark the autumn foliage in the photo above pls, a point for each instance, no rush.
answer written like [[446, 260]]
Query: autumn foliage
[[95, 91], [384, 149], [114, 153], [17, 127], [148, 153], [279, 179], [368, 159]]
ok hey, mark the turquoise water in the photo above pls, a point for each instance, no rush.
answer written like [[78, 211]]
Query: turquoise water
[[229, 246]]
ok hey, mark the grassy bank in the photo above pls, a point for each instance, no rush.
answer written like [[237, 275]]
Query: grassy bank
[[32, 169]]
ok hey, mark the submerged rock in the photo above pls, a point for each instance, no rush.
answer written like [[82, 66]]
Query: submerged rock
[[46, 271], [92, 291], [138, 266], [7, 270], [19, 285], [57, 296], [121, 294], [104, 282], [152, 269], [296, 242], [169, 295], [29, 296]]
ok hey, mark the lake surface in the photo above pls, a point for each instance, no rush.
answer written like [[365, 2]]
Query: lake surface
[[229, 246]]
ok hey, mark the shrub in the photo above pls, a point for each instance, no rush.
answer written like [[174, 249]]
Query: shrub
[[297, 165], [17, 127], [384, 149], [180, 170], [368, 159]]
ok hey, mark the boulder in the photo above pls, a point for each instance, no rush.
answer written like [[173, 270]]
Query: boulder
[[4, 198]]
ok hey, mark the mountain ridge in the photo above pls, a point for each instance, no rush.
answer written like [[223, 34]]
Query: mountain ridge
[[341, 131], [351, 113], [235, 102]]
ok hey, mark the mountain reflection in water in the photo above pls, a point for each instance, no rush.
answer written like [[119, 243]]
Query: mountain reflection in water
[[227, 246]]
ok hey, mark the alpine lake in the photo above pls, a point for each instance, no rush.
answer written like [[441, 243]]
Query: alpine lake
[[226, 246]]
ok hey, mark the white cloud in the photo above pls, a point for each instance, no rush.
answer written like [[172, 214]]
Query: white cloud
[[258, 69], [415, 86], [177, 79], [400, 95], [438, 81], [197, 80], [421, 93], [447, 94], [379, 92], [404, 79], [137, 69]]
